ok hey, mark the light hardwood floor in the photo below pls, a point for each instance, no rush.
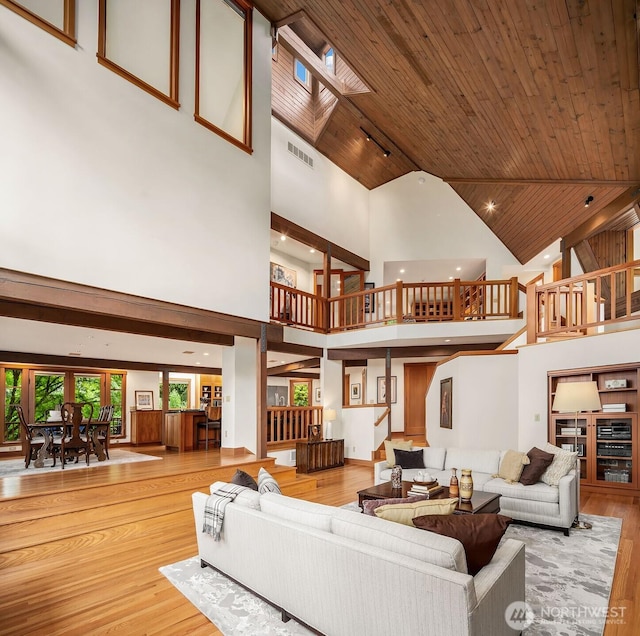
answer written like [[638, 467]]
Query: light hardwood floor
[[80, 550]]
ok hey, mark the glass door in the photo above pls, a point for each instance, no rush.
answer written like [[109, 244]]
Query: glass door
[[87, 388], [48, 393]]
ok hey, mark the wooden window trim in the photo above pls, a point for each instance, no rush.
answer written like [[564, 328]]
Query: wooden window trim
[[244, 144], [172, 98], [67, 34]]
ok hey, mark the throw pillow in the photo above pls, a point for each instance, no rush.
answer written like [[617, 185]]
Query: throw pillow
[[409, 459], [369, 505], [266, 483], [405, 512], [389, 448], [241, 478], [563, 462], [511, 466], [479, 534], [539, 462]]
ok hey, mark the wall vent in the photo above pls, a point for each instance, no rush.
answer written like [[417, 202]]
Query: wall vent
[[303, 156], [292, 456]]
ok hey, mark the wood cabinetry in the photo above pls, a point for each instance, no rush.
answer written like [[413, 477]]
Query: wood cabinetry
[[607, 440], [180, 429], [210, 389], [312, 456], [146, 427]]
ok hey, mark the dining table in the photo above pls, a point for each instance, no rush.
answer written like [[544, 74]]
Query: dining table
[[49, 428]]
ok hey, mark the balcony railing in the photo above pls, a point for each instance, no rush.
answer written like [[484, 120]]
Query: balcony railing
[[584, 304], [289, 424], [403, 302]]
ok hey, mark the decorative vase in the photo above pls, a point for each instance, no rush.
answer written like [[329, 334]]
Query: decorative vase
[[396, 477], [466, 484], [454, 491]]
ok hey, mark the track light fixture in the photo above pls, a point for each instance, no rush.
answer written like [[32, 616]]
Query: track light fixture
[[588, 201], [368, 137]]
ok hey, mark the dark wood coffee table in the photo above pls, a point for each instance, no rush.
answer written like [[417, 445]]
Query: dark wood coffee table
[[481, 502]]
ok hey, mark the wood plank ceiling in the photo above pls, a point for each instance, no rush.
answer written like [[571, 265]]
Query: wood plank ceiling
[[534, 105]]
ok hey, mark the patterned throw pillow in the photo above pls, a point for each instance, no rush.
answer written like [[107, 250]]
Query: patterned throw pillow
[[369, 505], [563, 462], [405, 512], [266, 483], [241, 478], [390, 446]]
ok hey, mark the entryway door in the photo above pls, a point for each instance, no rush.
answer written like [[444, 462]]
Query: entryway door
[[417, 378]]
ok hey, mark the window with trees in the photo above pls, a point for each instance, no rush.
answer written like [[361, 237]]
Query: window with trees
[[179, 393], [12, 380]]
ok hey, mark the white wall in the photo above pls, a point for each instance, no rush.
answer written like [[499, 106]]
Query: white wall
[[534, 361], [414, 221], [485, 403], [324, 200], [103, 184]]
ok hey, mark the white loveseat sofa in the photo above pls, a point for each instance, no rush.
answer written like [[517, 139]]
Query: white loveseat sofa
[[343, 572], [539, 503]]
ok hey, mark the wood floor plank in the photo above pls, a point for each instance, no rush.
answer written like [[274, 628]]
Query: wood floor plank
[[80, 554]]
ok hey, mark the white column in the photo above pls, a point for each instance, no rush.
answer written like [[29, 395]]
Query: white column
[[331, 377], [239, 390]]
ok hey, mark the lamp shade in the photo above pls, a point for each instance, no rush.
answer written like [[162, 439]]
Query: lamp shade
[[329, 415], [574, 397]]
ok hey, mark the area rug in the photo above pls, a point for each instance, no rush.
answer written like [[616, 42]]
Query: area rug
[[568, 583], [15, 467]]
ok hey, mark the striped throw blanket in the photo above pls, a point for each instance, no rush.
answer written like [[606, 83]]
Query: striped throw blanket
[[214, 508]]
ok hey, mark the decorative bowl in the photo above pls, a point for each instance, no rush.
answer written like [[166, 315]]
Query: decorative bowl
[[426, 483]]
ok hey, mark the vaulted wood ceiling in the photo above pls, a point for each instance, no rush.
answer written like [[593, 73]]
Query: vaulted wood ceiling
[[534, 105]]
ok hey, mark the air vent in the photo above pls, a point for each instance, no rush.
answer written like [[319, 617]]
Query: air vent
[[303, 156]]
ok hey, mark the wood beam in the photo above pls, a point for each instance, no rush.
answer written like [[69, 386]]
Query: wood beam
[[310, 363], [84, 303], [297, 374], [587, 182], [377, 353], [291, 18], [31, 359], [297, 349], [301, 234], [599, 221]]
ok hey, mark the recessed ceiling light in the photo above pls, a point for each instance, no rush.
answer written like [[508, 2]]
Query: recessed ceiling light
[[402, 271], [547, 256], [282, 362], [420, 180], [312, 251], [398, 280], [448, 340], [206, 353], [197, 363], [491, 206], [283, 237], [458, 269], [450, 277]]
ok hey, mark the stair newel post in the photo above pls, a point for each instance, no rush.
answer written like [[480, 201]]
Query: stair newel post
[[532, 313], [457, 300], [399, 301], [513, 304]]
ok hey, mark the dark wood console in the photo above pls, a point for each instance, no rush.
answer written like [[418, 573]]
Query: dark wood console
[[320, 455]]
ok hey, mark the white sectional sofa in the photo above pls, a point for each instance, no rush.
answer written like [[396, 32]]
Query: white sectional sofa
[[539, 503], [343, 572]]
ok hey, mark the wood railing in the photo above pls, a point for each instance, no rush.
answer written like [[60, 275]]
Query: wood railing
[[286, 424], [402, 302], [295, 307], [583, 304]]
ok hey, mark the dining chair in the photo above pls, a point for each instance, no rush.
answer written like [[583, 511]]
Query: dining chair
[[76, 438], [33, 443], [102, 429]]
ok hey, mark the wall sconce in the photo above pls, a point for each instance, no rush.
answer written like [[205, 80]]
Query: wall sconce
[[588, 201], [385, 152]]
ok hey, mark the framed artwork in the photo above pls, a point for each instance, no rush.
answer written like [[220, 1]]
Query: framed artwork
[[144, 400], [318, 394], [382, 390], [355, 391], [369, 299], [283, 275], [446, 403]]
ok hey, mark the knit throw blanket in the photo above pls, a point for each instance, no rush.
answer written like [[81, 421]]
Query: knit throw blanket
[[214, 508]]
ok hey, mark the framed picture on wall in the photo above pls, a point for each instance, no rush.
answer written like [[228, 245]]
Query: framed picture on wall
[[355, 391], [144, 400], [446, 403], [283, 275], [382, 390], [318, 394], [369, 299]]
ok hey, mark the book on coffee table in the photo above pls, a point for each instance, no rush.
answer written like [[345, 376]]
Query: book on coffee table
[[425, 490]]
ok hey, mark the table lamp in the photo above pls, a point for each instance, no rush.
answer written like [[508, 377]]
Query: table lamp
[[329, 416], [577, 397]]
